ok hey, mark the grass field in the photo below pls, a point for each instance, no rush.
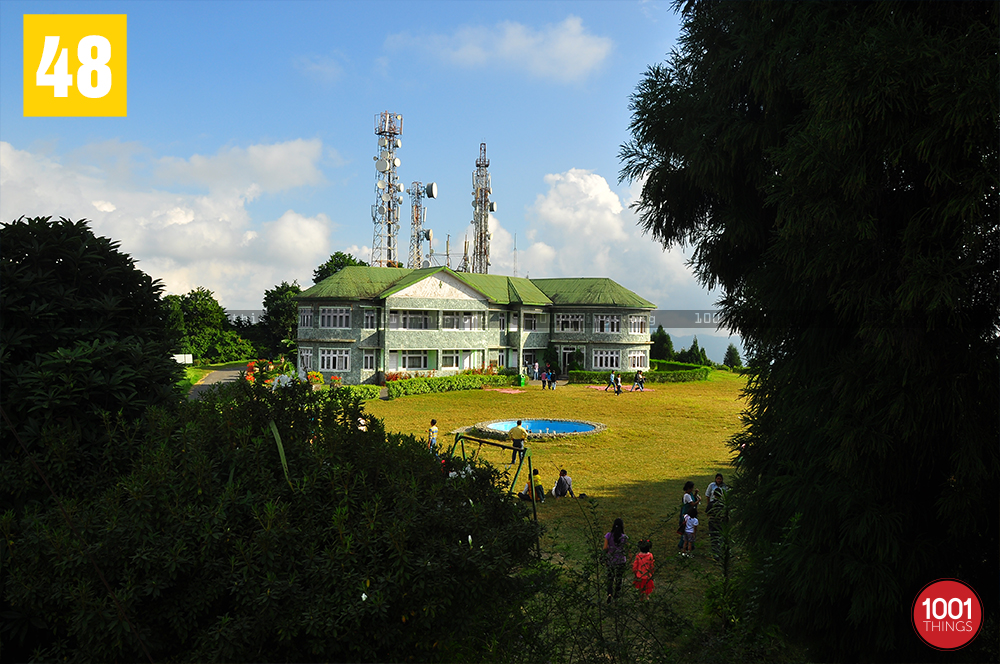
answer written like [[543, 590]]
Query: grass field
[[654, 442]]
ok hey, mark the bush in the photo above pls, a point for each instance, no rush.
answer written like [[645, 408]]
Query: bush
[[363, 392], [665, 365], [628, 378], [463, 381], [226, 543]]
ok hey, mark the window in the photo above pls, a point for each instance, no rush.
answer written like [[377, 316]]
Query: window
[[569, 322], [370, 319], [338, 318], [637, 324], [449, 359], [369, 360], [513, 322], [305, 317], [606, 359], [530, 357], [414, 359], [331, 359], [530, 322], [503, 322], [607, 323], [637, 359], [409, 320], [462, 320], [305, 359]]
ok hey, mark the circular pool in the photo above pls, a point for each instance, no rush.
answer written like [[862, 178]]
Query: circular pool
[[540, 428]]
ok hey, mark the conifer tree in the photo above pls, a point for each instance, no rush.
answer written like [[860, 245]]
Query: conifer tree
[[835, 166]]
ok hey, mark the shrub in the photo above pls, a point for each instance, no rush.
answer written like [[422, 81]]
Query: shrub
[[225, 542], [363, 392], [675, 376], [462, 381]]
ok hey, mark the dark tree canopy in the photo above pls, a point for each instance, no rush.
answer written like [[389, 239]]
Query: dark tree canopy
[[732, 358], [84, 335], [663, 346], [835, 167], [281, 312], [337, 262]]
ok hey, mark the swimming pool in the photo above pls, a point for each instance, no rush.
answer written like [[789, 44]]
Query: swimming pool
[[542, 427]]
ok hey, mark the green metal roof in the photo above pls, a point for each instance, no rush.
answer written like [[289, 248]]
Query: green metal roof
[[590, 291], [356, 282], [369, 283]]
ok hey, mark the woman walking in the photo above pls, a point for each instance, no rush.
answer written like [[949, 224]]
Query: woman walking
[[614, 550]]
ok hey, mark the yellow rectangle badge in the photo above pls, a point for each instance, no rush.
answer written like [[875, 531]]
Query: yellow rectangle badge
[[75, 65]]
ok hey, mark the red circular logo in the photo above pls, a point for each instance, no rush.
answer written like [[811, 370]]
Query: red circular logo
[[947, 614]]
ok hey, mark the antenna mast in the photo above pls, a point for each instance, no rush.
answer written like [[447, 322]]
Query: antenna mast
[[386, 210], [418, 215], [482, 206]]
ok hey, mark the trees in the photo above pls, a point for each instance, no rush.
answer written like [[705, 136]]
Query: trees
[[732, 359], [281, 313], [835, 167], [83, 341], [337, 262], [663, 347]]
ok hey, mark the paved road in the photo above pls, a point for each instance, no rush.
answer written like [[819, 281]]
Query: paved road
[[223, 375]]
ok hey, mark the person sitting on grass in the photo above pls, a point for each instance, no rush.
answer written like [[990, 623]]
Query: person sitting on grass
[[564, 485]]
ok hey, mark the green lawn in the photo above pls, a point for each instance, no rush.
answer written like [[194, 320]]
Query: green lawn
[[655, 441]]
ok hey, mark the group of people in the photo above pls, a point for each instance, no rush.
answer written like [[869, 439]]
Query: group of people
[[614, 544], [687, 527], [616, 559], [536, 489], [615, 382]]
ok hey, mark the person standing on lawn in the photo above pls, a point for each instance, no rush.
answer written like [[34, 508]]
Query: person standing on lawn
[[432, 437], [517, 436], [611, 382], [642, 566], [614, 550]]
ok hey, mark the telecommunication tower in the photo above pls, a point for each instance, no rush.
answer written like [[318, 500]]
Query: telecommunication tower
[[482, 206], [418, 216], [388, 189]]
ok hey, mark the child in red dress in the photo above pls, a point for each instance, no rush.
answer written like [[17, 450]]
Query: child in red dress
[[642, 565]]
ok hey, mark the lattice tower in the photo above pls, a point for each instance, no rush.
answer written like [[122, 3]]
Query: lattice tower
[[482, 207], [388, 199], [418, 215]]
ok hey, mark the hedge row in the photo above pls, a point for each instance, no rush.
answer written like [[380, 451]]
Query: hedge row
[[364, 392], [628, 377], [668, 365], [401, 388]]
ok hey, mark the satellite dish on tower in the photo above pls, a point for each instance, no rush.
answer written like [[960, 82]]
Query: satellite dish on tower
[[382, 165], [432, 190], [383, 142], [493, 206], [425, 264]]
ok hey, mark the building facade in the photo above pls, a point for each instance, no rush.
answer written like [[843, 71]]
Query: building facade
[[364, 322]]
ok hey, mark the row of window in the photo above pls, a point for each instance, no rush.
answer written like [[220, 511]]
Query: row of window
[[340, 318], [336, 359]]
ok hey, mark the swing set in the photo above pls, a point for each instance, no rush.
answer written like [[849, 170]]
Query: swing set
[[459, 444]]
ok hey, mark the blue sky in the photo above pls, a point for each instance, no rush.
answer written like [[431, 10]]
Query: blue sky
[[246, 156]]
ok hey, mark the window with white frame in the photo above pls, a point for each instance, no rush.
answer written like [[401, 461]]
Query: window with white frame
[[305, 317], [335, 317], [530, 322], [637, 359], [606, 359], [334, 359], [637, 324], [472, 320], [409, 320], [607, 323], [513, 321], [503, 321], [569, 322], [305, 359], [449, 359], [413, 359], [369, 360], [462, 320], [370, 319]]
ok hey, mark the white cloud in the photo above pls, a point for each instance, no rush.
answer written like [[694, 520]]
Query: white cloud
[[324, 68], [183, 239], [251, 171], [564, 52], [580, 228]]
